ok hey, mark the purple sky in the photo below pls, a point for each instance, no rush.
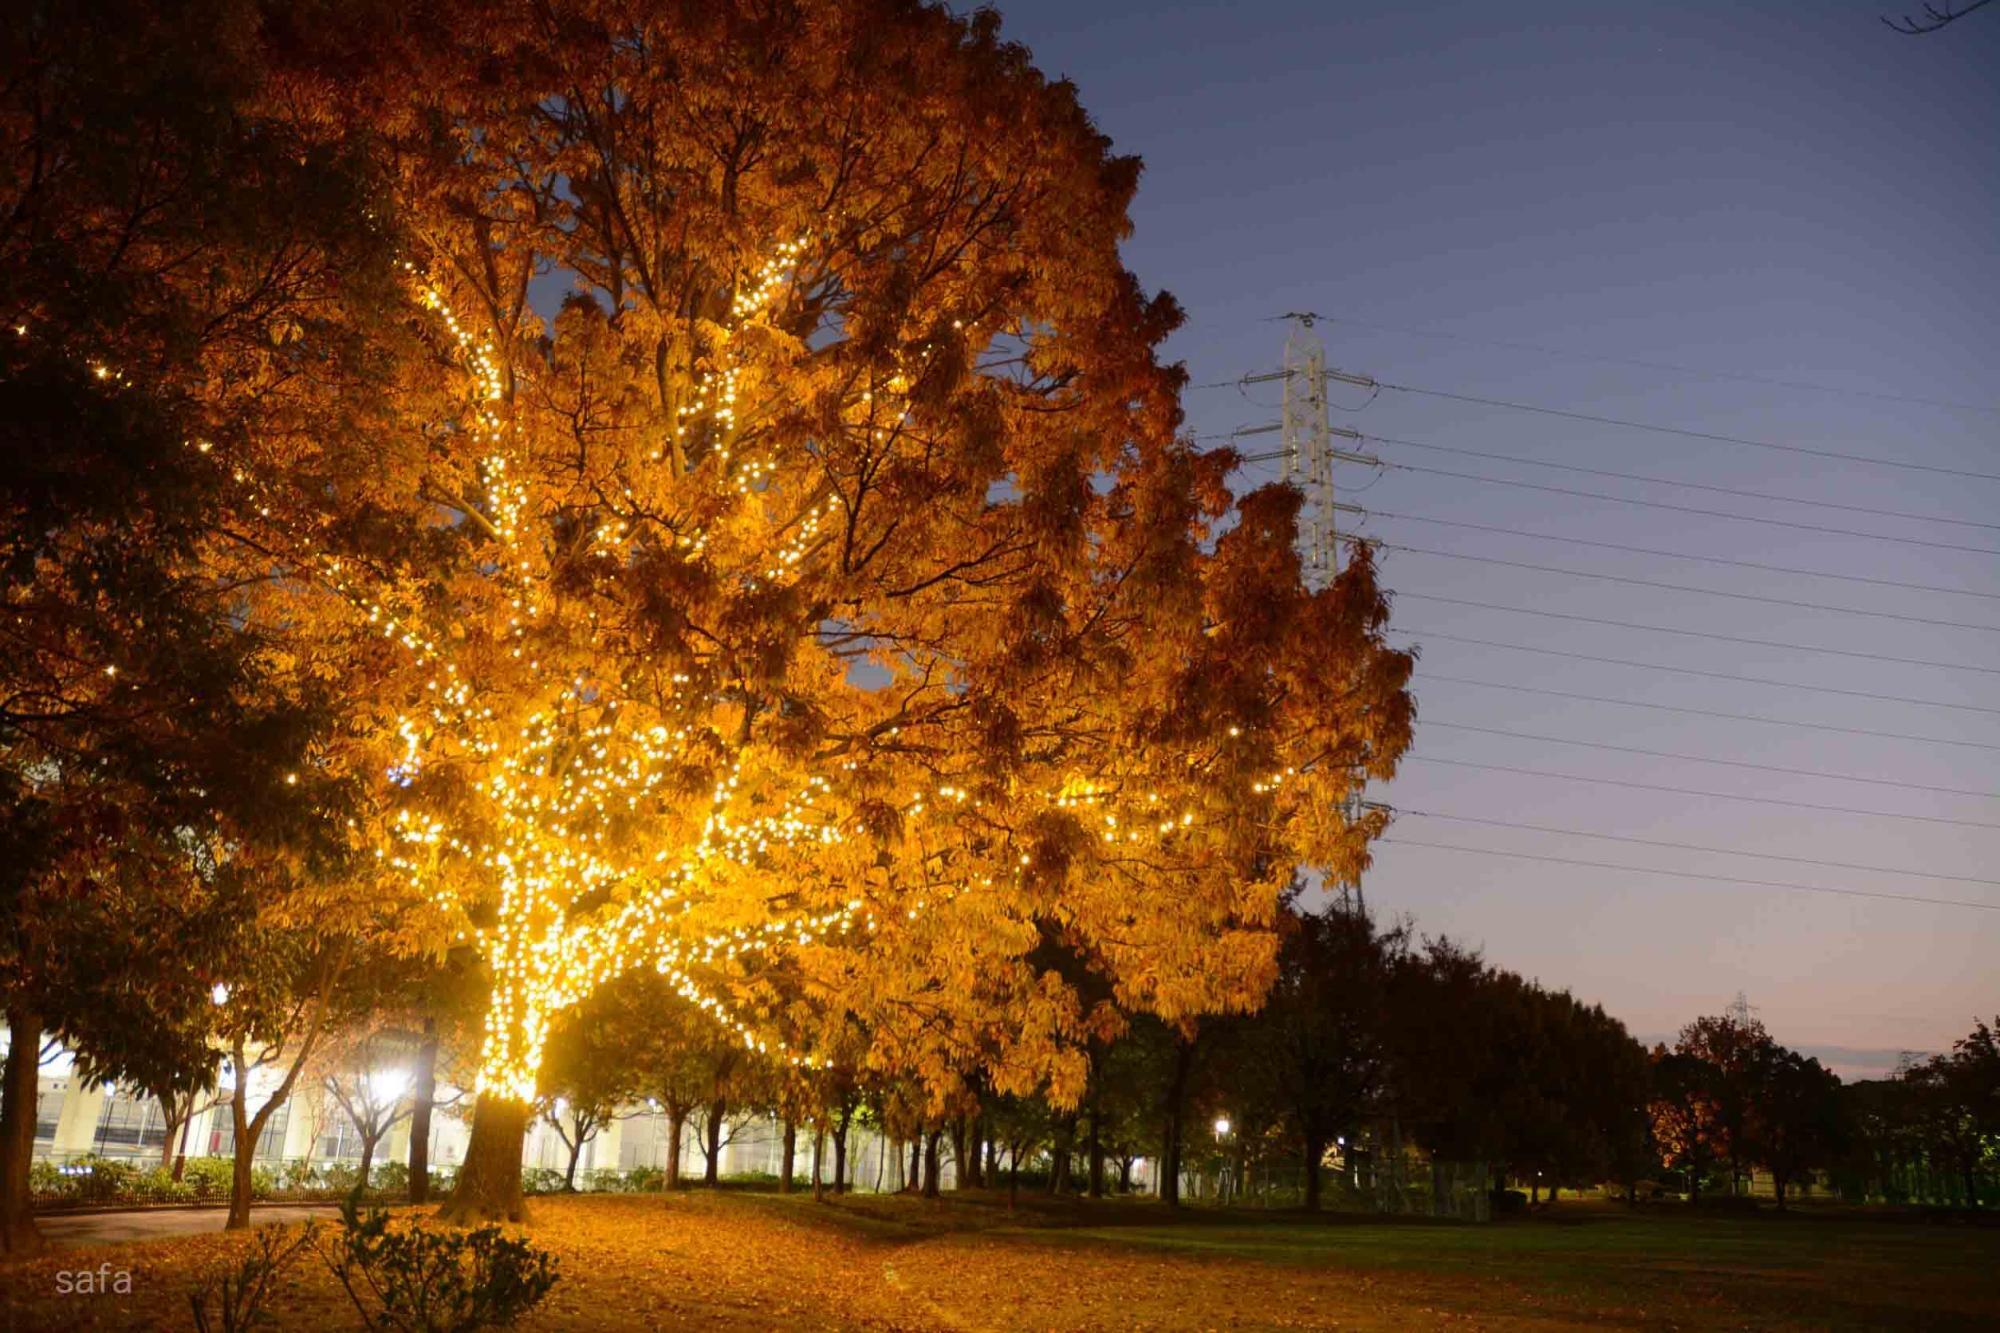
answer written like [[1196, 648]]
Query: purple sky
[[1781, 191]]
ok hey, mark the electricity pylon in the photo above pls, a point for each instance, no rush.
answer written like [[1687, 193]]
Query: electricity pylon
[[1308, 446]]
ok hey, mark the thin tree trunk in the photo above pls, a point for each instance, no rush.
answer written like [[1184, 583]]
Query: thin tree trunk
[[931, 1163], [247, 1130], [676, 1131], [1059, 1166], [181, 1156], [914, 1181], [957, 1132], [1170, 1152], [19, 1236], [1315, 1150], [575, 1156], [168, 1144], [489, 1183], [819, 1155], [1096, 1145], [712, 1144], [423, 1095], [791, 1154], [367, 1159]]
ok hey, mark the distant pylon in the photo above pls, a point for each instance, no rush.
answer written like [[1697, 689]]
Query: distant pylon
[[1309, 449]]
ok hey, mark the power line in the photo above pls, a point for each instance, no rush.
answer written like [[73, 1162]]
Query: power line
[[1825, 528], [1683, 587], [1725, 763], [1679, 874], [1671, 845], [1420, 632], [1695, 791], [1714, 437], [1685, 485], [1682, 555], [1668, 366], [1710, 712], [1701, 634]]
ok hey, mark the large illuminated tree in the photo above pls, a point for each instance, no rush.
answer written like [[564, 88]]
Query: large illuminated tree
[[831, 601]]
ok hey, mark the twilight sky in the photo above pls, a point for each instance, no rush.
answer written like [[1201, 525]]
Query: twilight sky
[[1773, 191]]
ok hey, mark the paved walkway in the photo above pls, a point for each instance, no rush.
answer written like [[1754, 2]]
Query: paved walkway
[[72, 1229]]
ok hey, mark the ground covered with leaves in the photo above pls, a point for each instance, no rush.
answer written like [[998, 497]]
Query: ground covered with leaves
[[739, 1260]]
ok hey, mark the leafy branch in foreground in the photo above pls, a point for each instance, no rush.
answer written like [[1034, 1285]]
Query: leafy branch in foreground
[[415, 1278], [239, 1294]]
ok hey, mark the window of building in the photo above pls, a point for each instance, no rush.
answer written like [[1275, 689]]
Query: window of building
[[128, 1125]]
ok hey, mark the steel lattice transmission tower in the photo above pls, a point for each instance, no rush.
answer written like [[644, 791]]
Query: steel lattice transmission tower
[[1308, 446]]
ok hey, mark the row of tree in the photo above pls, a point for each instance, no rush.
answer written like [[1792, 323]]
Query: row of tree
[[1374, 1049]]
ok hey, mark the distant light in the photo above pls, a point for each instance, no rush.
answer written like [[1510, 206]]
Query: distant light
[[220, 993], [1221, 1126], [387, 1085]]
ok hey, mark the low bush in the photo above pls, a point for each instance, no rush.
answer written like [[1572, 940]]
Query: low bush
[[415, 1278], [232, 1299], [1507, 1203], [645, 1179], [208, 1177], [541, 1180], [159, 1186]]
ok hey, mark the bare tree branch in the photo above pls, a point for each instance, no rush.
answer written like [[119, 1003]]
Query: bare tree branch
[[1933, 19]]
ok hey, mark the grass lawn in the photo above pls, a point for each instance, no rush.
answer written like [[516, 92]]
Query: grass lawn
[[741, 1260]]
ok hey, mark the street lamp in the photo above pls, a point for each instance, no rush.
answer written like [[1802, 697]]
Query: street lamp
[[1222, 1181]]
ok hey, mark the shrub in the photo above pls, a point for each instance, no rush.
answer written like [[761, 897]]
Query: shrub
[[645, 1178], [100, 1179], [159, 1186], [233, 1299], [1508, 1202], [207, 1176], [390, 1177], [298, 1174], [262, 1182], [46, 1180], [339, 1177], [541, 1180], [604, 1179], [414, 1278]]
